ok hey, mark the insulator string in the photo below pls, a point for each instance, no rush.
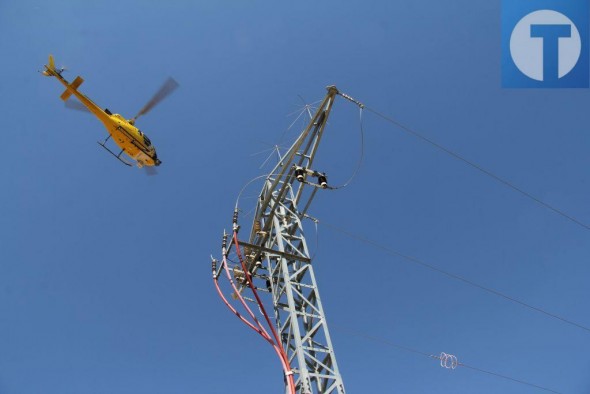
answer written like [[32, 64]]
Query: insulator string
[[447, 361]]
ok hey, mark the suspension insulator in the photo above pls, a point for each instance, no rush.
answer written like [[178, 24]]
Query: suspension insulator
[[299, 173], [323, 181]]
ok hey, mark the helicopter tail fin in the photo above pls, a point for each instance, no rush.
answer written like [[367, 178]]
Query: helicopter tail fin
[[51, 62], [71, 87], [50, 67]]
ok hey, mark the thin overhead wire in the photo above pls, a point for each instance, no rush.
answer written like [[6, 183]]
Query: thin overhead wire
[[274, 151], [362, 153], [447, 361], [248, 184], [374, 338], [479, 168], [317, 235], [431, 267], [305, 109], [508, 378]]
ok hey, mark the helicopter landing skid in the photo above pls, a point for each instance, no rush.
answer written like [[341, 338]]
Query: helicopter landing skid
[[118, 156]]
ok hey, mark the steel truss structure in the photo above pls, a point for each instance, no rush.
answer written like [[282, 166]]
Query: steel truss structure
[[276, 262]]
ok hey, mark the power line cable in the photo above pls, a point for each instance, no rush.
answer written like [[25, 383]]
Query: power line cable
[[478, 167], [362, 152], [507, 377], [431, 267], [447, 361]]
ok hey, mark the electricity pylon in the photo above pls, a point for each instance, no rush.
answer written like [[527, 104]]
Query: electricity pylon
[[276, 261]]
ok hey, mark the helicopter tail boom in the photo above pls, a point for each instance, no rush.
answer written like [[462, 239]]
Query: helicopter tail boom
[[71, 87]]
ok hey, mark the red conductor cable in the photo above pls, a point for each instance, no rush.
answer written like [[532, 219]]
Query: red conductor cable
[[288, 372], [260, 329]]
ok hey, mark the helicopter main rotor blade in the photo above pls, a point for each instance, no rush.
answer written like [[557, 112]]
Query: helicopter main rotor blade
[[168, 87], [77, 105], [150, 171]]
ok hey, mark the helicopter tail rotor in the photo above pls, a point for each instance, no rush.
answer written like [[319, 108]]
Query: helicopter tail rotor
[[50, 67], [51, 70]]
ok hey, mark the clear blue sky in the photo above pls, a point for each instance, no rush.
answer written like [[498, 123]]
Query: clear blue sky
[[105, 280]]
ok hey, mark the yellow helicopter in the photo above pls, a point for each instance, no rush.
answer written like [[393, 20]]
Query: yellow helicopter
[[129, 138]]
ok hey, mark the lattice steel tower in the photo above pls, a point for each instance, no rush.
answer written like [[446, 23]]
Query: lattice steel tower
[[275, 261]]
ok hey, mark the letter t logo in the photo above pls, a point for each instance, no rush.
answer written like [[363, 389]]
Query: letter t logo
[[550, 35]]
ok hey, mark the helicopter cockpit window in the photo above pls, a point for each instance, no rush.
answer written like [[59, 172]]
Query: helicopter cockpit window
[[147, 140]]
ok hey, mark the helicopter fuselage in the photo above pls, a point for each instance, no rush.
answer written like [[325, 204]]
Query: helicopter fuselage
[[129, 138]]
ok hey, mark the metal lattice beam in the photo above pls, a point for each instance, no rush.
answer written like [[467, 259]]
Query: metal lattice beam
[[277, 241]]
